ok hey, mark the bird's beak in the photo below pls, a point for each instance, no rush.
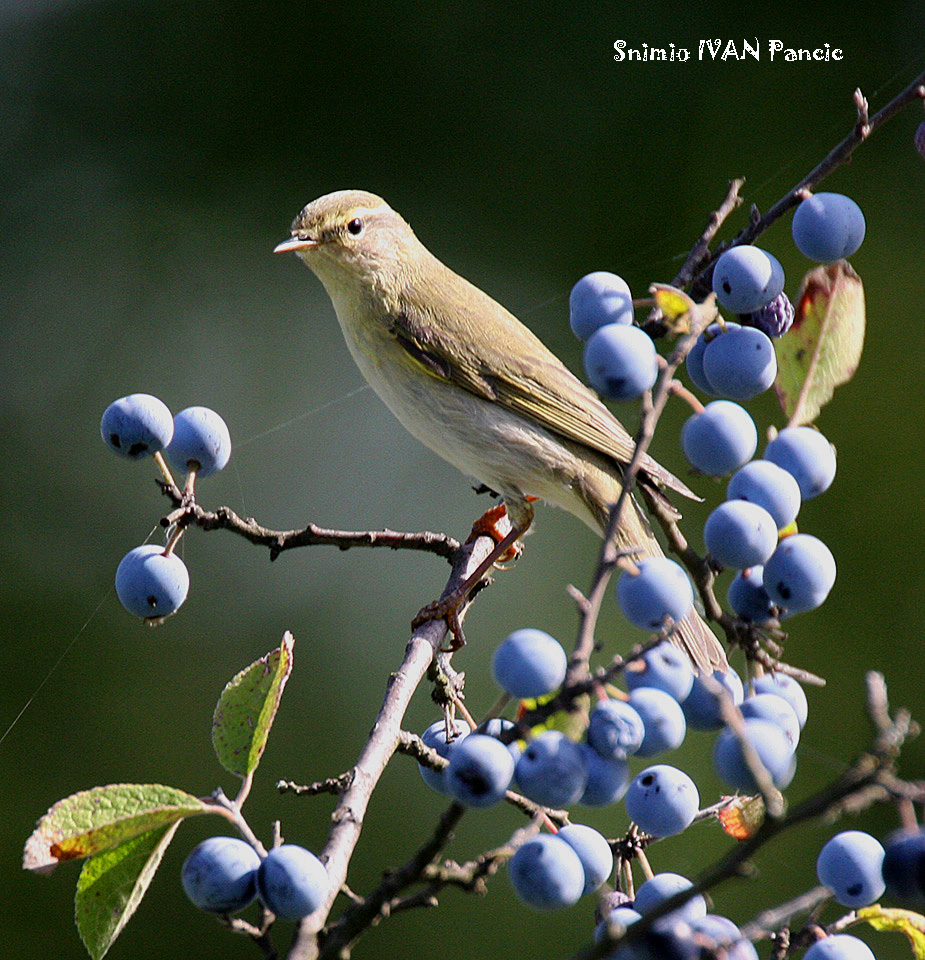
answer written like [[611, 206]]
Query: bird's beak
[[294, 244]]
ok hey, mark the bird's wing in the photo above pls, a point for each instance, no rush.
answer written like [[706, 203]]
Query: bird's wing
[[517, 371]]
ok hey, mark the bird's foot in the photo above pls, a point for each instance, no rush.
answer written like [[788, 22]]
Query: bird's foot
[[445, 609], [448, 607], [489, 525]]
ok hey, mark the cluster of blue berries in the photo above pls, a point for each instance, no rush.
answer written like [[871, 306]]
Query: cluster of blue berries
[[733, 360], [152, 582], [663, 699], [687, 932], [225, 874], [779, 572], [553, 770], [852, 864]]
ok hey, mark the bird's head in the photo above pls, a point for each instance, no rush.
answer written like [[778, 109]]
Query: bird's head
[[352, 236]]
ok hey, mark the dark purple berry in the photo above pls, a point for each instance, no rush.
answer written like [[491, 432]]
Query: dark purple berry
[[919, 139], [773, 319]]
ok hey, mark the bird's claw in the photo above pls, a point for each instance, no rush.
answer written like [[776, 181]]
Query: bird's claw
[[445, 609]]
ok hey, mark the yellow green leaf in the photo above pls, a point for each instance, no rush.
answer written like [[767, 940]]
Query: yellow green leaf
[[246, 709], [672, 302], [91, 821], [823, 347], [112, 884], [900, 921]]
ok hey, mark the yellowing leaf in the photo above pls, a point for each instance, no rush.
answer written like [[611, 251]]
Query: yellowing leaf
[[246, 709], [823, 347], [92, 821], [742, 816], [112, 884], [672, 302], [900, 921]]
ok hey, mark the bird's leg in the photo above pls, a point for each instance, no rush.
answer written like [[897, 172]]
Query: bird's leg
[[447, 607], [488, 524]]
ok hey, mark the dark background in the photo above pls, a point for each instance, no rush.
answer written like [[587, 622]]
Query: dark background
[[152, 155]]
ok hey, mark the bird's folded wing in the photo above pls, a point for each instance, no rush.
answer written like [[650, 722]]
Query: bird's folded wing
[[521, 374]]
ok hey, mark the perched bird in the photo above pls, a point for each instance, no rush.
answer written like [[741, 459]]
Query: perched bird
[[471, 382]]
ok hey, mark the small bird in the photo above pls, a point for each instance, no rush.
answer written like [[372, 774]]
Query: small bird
[[471, 382]]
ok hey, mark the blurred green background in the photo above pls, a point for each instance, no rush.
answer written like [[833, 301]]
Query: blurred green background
[[152, 155]]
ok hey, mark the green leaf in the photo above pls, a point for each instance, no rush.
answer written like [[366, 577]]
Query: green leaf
[[89, 822], [246, 709], [901, 921], [823, 347], [112, 884]]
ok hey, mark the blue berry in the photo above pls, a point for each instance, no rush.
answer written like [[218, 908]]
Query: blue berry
[[551, 771], [219, 875], [494, 728], [664, 667], [694, 361], [740, 534], [851, 864], [772, 748], [658, 889], [719, 439], [745, 278], [784, 686], [607, 778], [807, 455], [800, 573], [611, 900], [659, 591], [774, 318], [618, 918], [768, 706], [593, 851], [546, 873], [662, 800], [435, 738], [827, 227], [529, 663], [770, 486], [740, 364], [150, 584], [841, 946], [662, 719], [621, 362], [701, 707], [292, 882], [615, 730], [748, 598], [200, 436], [136, 426], [598, 299], [480, 771], [918, 139], [904, 867], [713, 931]]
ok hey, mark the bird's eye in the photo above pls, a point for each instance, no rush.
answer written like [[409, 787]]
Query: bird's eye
[[355, 227]]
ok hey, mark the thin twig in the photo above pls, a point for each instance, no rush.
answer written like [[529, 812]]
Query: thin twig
[[189, 513], [863, 127]]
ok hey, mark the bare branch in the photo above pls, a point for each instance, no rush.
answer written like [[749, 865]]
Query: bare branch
[[189, 513]]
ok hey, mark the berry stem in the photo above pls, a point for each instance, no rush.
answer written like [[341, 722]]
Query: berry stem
[[174, 540], [165, 470]]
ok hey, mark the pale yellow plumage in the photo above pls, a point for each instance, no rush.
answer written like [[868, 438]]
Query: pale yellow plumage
[[471, 382]]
